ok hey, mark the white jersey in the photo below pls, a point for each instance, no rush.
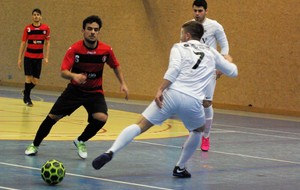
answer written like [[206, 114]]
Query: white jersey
[[213, 34], [191, 66]]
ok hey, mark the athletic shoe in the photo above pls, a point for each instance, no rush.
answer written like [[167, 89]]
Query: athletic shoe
[[101, 160], [205, 144], [81, 149], [29, 103], [181, 173], [31, 150], [26, 100]]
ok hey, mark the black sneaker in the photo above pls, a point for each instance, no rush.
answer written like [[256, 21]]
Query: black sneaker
[[29, 103], [101, 160], [181, 173], [26, 99]]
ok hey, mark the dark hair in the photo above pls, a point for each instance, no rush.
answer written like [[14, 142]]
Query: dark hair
[[194, 28], [37, 10], [91, 19], [200, 3]]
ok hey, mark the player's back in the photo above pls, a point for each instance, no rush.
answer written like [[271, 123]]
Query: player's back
[[196, 68]]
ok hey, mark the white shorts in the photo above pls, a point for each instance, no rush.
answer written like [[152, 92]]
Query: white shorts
[[187, 108], [210, 89]]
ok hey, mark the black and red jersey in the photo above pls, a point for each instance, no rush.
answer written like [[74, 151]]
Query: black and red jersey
[[35, 37], [81, 59]]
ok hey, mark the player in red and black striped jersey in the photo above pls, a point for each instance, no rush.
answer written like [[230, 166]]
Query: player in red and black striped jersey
[[36, 36], [83, 65]]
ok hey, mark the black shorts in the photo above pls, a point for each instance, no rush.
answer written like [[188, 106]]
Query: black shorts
[[72, 98], [32, 67]]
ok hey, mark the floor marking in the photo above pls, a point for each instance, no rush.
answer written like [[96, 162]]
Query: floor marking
[[8, 188], [91, 177], [225, 153], [266, 130]]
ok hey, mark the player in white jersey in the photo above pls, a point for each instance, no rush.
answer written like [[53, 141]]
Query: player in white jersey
[[213, 36], [191, 66]]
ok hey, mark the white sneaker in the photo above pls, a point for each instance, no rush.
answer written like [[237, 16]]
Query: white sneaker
[[31, 150], [81, 149]]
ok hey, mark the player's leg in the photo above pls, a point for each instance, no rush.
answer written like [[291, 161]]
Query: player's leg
[[125, 137], [28, 78], [41, 133], [209, 113], [192, 120], [63, 106], [97, 117], [36, 73], [152, 115], [32, 68]]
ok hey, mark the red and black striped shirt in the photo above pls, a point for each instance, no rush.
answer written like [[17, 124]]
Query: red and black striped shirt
[[80, 59], [35, 37]]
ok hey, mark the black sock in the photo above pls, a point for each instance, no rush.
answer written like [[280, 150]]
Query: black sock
[[43, 130], [31, 86], [91, 130], [27, 90]]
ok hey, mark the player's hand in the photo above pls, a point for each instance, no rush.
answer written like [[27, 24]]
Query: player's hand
[[20, 64], [219, 74], [125, 90], [159, 99], [228, 58], [80, 78], [46, 61]]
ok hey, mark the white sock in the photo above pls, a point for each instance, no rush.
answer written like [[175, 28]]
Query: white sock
[[189, 147], [125, 137], [209, 114]]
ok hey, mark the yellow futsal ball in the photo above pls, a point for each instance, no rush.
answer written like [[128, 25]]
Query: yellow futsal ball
[[53, 172]]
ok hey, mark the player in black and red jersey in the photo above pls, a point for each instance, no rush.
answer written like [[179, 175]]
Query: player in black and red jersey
[[36, 36], [83, 64]]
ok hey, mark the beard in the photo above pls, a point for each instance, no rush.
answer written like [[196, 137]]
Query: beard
[[90, 42]]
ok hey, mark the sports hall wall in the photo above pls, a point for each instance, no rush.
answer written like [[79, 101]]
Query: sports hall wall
[[263, 36]]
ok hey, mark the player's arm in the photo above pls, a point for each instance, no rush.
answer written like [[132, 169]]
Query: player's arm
[[79, 78], [224, 45], [22, 46], [170, 75], [47, 50], [21, 51], [67, 65], [159, 97], [226, 67], [120, 77], [222, 40], [47, 46]]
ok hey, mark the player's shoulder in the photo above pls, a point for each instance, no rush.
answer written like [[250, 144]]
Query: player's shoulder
[[76, 46], [210, 21], [103, 45], [43, 25], [180, 45], [29, 26]]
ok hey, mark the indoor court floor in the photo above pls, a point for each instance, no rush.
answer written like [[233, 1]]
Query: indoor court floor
[[248, 150]]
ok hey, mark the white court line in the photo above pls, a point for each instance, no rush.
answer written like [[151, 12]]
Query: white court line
[[258, 134], [1, 187], [257, 129], [90, 177], [225, 153]]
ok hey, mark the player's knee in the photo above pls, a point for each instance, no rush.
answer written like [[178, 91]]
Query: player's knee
[[96, 124], [99, 116], [206, 103], [55, 117], [199, 130]]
